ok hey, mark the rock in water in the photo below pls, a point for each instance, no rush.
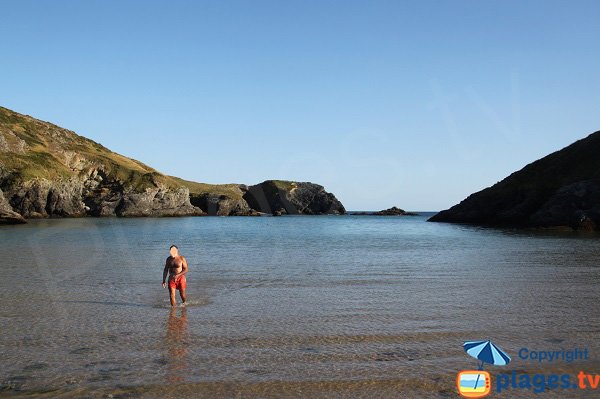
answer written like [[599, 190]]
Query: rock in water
[[560, 190], [287, 197], [394, 211], [391, 212]]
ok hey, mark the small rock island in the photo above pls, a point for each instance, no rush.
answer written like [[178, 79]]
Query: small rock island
[[393, 211]]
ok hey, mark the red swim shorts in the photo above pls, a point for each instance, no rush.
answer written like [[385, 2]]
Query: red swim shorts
[[177, 283]]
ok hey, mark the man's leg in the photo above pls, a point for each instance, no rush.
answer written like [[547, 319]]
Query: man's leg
[[172, 296], [182, 294]]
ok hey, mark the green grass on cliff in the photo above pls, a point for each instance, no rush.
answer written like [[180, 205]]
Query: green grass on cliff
[[284, 184], [47, 147], [230, 190]]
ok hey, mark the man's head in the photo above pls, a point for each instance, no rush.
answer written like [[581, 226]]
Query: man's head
[[173, 250]]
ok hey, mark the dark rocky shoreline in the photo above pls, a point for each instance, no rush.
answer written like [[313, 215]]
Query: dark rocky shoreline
[[560, 191], [82, 198]]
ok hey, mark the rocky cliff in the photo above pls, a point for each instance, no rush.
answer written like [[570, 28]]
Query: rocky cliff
[[231, 203], [48, 171], [561, 190], [282, 197]]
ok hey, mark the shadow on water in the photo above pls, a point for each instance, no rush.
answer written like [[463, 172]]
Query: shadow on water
[[524, 232]]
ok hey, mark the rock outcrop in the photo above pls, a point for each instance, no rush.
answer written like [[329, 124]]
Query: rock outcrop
[[576, 205], [7, 215], [224, 204], [75, 197], [561, 190], [281, 197]]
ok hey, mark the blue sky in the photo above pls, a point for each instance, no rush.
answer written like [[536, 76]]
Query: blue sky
[[412, 104]]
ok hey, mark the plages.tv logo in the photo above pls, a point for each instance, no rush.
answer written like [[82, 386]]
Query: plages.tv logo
[[478, 383]]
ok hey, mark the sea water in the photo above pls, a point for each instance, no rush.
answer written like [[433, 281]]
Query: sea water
[[292, 306]]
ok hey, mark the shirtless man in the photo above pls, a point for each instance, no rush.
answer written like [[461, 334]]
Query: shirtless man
[[177, 267]]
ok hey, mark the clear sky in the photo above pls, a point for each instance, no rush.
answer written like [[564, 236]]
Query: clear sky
[[413, 104]]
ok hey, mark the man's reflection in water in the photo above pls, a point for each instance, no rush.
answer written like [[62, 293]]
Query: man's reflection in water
[[177, 342]]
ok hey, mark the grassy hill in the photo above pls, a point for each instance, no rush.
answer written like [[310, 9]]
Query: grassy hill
[[30, 148]]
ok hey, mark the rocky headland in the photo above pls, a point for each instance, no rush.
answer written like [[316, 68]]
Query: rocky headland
[[558, 191], [49, 171]]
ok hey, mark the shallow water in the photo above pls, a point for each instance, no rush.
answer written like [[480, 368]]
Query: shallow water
[[294, 306]]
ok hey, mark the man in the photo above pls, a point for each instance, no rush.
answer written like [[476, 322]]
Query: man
[[177, 267]]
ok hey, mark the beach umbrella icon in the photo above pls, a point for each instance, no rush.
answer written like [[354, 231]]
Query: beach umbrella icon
[[486, 352]]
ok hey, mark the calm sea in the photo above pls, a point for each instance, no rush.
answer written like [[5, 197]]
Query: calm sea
[[293, 306]]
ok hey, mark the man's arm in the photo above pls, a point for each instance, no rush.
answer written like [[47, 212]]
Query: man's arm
[[165, 271]]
